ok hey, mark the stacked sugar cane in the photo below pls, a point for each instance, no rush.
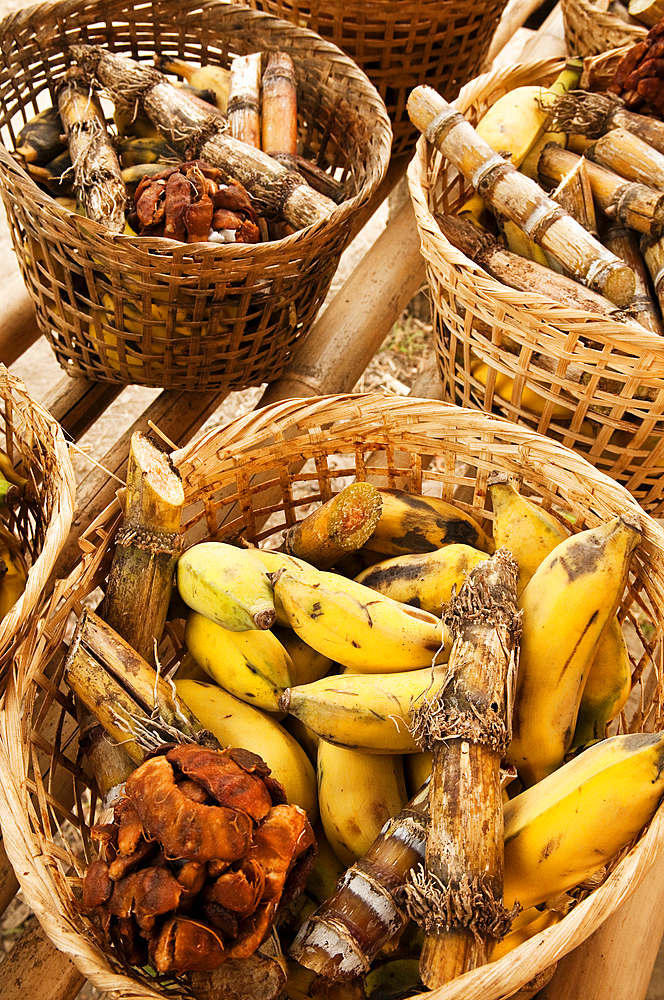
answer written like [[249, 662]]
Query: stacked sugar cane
[[562, 201], [213, 157]]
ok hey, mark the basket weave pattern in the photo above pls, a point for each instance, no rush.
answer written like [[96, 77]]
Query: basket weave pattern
[[203, 316], [36, 445], [442, 43], [596, 369], [253, 478], [590, 31]]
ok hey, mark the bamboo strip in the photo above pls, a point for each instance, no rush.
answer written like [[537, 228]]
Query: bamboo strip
[[519, 198]]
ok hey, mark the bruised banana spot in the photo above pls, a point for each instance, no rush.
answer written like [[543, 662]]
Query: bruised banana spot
[[551, 846], [572, 654]]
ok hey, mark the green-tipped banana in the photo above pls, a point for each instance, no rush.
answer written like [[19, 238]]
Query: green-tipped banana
[[567, 605], [607, 688], [237, 724], [412, 523], [355, 626], [528, 531], [226, 584], [570, 824], [358, 793], [362, 711], [252, 665], [423, 580]]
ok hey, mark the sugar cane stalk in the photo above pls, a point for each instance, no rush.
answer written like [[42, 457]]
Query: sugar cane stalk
[[182, 121], [518, 272], [592, 115], [519, 198], [244, 110], [339, 526], [575, 194], [466, 724], [147, 546], [625, 243], [628, 155], [344, 935], [279, 135], [635, 205], [97, 173]]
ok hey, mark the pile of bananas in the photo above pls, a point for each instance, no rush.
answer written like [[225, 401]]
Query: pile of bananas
[[14, 488], [320, 669]]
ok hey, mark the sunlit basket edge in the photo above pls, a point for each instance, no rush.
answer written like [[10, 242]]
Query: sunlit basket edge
[[29, 422]]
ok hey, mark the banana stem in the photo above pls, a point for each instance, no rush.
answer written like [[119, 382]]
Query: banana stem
[[9, 493], [457, 898], [339, 526], [147, 546]]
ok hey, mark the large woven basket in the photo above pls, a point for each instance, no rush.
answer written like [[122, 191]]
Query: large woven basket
[[400, 45], [41, 521], [253, 478], [203, 316], [590, 30], [474, 315]]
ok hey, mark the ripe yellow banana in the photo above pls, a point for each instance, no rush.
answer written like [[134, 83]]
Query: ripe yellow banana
[[307, 664], [327, 869], [237, 724], [567, 605], [41, 139], [525, 925], [274, 561], [226, 584], [518, 119], [424, 579], [417, 768], [530, 401], [412, 523], [214, 78], [13, 581], [527, 530], [306, 737], [607, 688], [357, 627], [252, 665], [362, 711], [570, 824], [357, 793]]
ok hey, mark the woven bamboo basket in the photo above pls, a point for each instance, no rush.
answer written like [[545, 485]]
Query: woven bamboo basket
[[591, 30], [35, 443], [400, 45], [253, 478], [601, 415], [185, 316]]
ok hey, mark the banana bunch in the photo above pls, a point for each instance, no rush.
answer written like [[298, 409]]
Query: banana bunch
[[568, 825], [13, 570]]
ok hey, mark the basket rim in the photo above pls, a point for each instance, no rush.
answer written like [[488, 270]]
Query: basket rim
[[382, 127], [632, 337]]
